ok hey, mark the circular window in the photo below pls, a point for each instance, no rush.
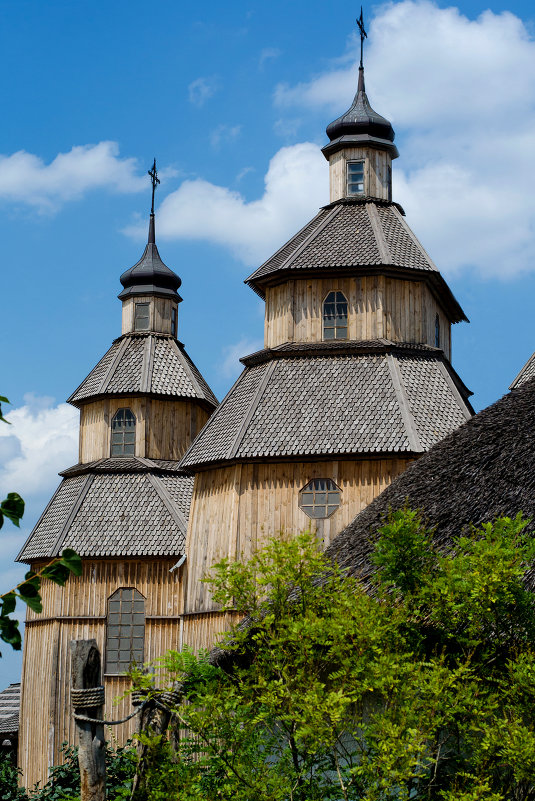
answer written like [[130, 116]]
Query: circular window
[[320, 498]]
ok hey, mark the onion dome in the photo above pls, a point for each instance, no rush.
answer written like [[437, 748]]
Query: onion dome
[[150, 276], [360, 125]]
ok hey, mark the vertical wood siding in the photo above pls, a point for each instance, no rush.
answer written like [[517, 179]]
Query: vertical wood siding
[[378, 307], [376, 178], [260, 501], [78, 611], [159, 313]]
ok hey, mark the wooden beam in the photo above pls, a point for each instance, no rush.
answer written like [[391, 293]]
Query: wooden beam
[[86, 674]]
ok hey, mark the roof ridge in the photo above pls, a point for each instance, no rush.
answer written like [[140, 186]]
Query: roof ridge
[[312, 235], [415, 239], [168, 502], [146, 366], [403, 403], [112, 368], [255, 400], [382, 245], [72, 514], [185, 362]]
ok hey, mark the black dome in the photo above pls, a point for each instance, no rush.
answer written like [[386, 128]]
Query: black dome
[[150, 276]]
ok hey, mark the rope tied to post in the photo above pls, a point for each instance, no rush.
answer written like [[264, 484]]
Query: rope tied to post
[[94, 696]]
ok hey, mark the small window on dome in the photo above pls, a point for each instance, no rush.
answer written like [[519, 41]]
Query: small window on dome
[[123, 433], [125, 630], [320, 498], [437, 332], [335, 316], [173, 321], [141, 317], [355, 177]]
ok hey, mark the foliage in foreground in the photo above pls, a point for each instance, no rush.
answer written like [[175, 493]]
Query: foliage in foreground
[[29, 590], [422, 688], [64, 781]]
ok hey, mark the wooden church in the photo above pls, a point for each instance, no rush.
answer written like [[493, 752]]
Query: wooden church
[[353, 384]]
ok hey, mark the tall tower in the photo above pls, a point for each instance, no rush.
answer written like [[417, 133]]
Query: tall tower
[[354, 381], [124, 508]]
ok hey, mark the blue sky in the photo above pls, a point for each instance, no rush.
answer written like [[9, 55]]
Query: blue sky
[[233, 100]]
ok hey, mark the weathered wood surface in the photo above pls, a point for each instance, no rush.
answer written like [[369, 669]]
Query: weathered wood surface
[[86, 673], [378, 307], [164, 429], [376, 175], [260, 501], [159, 313], [78, 611]]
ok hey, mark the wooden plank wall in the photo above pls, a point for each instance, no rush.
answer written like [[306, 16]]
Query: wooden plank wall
[[260, 501], [78, 611], [164, 429], [376, 175], [159, 313], [378, 307]]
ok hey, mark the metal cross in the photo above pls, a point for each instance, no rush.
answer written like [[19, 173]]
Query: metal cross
[[363, 35], [154, 180]]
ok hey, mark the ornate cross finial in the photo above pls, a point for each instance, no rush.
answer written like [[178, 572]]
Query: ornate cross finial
[[363, 35], [154, 180]]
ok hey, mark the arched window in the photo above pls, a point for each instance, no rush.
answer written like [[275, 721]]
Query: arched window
[[125, 632], [335, 316], [123, 433], [437, 332], [320, 498]]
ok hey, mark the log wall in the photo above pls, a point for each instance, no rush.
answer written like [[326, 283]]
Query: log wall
[[78, 611], [260, 501], [164, 428], [378, 308], [377, 172]]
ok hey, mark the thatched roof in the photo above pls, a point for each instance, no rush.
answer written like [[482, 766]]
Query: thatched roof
[[483, 470]]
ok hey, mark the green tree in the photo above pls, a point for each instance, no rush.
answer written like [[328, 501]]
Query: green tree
[[29, 590], [420, 684]]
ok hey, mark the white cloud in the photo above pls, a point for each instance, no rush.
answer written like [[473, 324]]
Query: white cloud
[[460, 95], [25, 178], [296, 183], [230, 367], [200, 90], [224, 133], [268, 54], [41, 440]]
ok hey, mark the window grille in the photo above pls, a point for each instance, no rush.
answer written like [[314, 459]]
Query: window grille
[[141, 317], [355, 177], [335, 316], [125, 630], [123, 433], [320, 498], [437, 332]]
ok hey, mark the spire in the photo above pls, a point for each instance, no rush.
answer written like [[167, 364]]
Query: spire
[[360, 125], [150, 276]]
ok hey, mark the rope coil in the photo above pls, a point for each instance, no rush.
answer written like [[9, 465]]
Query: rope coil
[[87, 697]]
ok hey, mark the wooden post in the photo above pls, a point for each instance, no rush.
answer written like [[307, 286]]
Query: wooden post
[[85, 671]]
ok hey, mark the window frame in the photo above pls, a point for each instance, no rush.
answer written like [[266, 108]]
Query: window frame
[[335, 328], [143, 304], [437, 331], [314, 488], [115, 666], [174, 321], [349, 182], [123, 444]]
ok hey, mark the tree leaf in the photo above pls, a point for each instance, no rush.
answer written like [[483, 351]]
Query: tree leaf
[[9, 603], [13, 507], [72, 561]]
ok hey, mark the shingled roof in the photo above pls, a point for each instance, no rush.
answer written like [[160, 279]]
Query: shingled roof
[[320, 400], [526, 373], [115, 507], [483, 470], [363, 235], [9, 710], [148, 363]]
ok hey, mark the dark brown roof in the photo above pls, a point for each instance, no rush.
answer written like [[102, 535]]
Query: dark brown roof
[[362, 235], [483, 470], [113, 508], [9, 710], [145, 363], [314, 401]]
